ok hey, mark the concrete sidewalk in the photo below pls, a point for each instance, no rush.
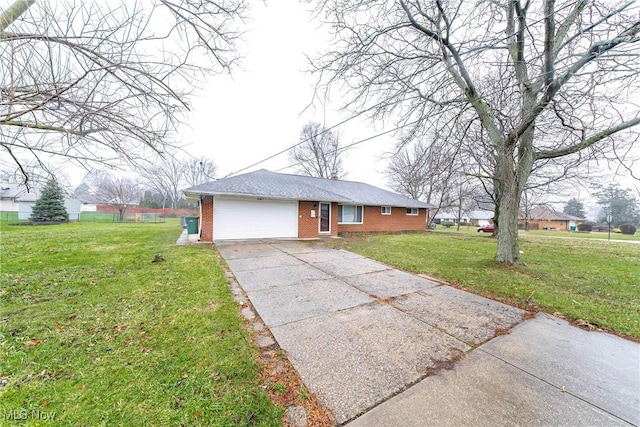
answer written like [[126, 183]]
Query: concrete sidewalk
[[360, 333], [545, 372]]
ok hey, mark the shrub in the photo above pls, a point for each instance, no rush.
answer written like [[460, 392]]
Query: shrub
[[585, 227], [627, 229], [50, 205], [447, 224]]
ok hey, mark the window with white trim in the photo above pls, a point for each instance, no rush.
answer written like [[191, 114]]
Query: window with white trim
[[349, 214], [385, 210], [412, 211]]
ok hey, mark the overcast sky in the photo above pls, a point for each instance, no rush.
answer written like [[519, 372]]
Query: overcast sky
[[260, 109]]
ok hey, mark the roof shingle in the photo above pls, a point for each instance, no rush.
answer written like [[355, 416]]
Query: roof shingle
[[263, 183]]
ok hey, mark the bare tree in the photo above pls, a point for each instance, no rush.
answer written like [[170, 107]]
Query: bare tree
[[319, 152], [426, 171], [97, 82], [39, 173], [409, 171], [433, 169], [119, 192], [199, 171], [545, 80], [166, 178]]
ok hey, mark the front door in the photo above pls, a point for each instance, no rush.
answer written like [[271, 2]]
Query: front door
[[325, 217]]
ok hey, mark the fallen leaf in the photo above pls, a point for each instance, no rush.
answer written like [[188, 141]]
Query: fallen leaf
[[197, 415], [585, 324], [119, 327], [32, 342], [44, 402]]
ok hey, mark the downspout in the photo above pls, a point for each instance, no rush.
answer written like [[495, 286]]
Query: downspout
[[200, 221]]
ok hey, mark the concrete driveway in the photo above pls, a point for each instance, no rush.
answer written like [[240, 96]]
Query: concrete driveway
[[383, 347]]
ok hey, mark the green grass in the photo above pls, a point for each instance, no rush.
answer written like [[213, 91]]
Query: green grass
[[579, 235], [96, 217], [552, 234], [97, 335], [595, 281]]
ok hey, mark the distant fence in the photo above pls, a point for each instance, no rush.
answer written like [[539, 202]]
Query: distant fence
[[139, 217], [8, 216], [166, 212], [150, 217]]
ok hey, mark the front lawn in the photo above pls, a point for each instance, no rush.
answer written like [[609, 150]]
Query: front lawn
[[470, 229], [93, 333], [591, 281]]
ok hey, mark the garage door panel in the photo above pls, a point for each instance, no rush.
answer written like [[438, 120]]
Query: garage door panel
[[251, 218]]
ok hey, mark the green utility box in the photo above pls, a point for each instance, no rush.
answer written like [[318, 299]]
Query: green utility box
[[192, 224]]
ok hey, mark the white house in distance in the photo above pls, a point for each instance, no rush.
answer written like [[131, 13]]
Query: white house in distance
[[88, 202], [481, 218], [16, 197], [478, 218], [446, 215], [8, 193]]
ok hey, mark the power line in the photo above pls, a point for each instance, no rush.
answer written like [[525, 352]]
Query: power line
[[369, 138], [294, 145]]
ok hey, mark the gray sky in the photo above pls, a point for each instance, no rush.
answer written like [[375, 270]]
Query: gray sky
[[259, 110], [241, 119]]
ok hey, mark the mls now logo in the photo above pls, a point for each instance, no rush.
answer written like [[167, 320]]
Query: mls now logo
[[23, 414]]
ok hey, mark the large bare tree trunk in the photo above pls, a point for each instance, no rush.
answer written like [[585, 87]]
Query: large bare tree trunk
[[512, 178]]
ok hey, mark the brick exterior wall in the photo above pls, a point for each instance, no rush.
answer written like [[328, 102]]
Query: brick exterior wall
[[539, 224], [397, 221], [309, 227], [206, 219]]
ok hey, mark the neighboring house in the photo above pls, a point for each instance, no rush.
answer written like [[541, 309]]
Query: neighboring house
[[481, 218], [264, 204], [25, 202], [8, 193], [88, 202], [546, 218], [28, 200], [15, 197], [74, 208], [450, 216]]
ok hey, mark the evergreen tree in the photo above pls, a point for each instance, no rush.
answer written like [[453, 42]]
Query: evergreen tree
[[620, 203], [574, 207], [50, 205]]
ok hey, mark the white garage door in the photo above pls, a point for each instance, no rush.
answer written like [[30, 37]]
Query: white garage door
[[235, 218]]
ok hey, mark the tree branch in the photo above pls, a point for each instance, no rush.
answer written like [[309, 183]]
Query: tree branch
[[586, 142], [596, 50], [13, 12]]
